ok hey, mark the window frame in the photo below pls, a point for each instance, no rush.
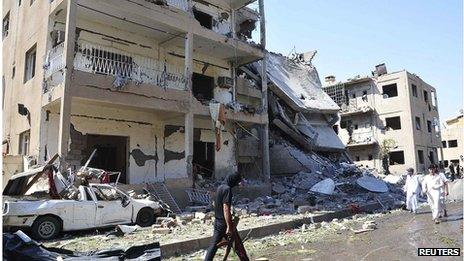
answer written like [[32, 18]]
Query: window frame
[[386, 123], [30, 63], [24, 144], [420, 156], [453, 144], [414, 90], [390, 86], [418, 123]]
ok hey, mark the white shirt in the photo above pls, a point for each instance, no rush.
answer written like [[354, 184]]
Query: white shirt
[[432, 182]]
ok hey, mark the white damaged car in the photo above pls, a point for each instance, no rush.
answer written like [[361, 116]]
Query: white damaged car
[[99, 205]]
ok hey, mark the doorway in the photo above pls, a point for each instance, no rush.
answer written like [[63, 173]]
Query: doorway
[[203, 158], [111, 155]]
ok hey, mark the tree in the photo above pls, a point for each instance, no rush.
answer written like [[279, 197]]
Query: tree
[[385, 149]]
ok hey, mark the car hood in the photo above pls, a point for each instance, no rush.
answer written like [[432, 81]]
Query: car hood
[[146, 202]]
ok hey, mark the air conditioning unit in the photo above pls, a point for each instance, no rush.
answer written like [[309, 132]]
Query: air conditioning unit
[[225, 82], [57, 37]]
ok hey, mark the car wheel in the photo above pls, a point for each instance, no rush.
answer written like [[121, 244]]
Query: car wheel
[[46, 227], [145, 217]]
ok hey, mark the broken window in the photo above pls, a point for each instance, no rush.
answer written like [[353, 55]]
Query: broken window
[[202, 87], [414, 90], [418, 123], [6, 25], [429, 126], [393, 123], [205, 19], [29, 65], [420, 154], [364, 96], [390, 90], [426, 96], [370, 157], [432, 157], [452, 143], [396, 157], [358, 158], [24, 141], [443, 143]]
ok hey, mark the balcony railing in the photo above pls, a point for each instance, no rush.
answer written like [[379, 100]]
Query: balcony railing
[[54, 61], [97, 59], [362, 137], [354, 106]]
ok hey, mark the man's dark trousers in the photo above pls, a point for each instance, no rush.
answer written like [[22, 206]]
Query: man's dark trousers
[[220, 228]]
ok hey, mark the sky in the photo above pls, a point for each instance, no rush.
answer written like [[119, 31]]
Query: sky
[[424, 37]]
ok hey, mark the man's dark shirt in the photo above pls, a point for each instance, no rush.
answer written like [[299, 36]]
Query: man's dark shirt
[[223, 195]]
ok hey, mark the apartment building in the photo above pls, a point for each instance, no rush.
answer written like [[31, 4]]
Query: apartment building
[[453, 141], [396, 111], [152, 85]]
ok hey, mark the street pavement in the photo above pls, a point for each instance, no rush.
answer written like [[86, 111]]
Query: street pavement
[[397, 237]]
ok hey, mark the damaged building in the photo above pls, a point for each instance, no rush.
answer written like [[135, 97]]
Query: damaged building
[[301, 116], [388, 120], [152, 85]]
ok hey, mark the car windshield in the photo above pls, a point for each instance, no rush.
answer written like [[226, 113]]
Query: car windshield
[[106, 193]]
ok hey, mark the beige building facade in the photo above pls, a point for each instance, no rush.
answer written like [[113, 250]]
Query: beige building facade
[[396, 108], [453, 141], [139, 81]]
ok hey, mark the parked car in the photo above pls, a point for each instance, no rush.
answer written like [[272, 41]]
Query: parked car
[[98, 205]]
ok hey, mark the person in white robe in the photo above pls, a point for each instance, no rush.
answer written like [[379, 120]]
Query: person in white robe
[[412, 189], [432, 186]]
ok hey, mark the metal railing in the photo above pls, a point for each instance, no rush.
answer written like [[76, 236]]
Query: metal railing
[[54, 61], [98, 59]]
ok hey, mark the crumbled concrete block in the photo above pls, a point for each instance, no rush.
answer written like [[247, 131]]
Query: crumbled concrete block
[[200, 215], [161, 230]]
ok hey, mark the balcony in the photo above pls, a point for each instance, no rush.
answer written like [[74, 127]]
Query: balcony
[[354, 107], [362, 138], [123, 66]]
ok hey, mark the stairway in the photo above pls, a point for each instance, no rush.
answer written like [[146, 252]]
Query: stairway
[[161, 192]]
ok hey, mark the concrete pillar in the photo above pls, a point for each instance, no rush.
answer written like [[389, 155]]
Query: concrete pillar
[[65, 101], [188, 63], [189, 115], [188, 136], [265, 127]]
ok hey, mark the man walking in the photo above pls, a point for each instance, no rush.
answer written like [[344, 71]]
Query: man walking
[[452, 171], [432, 188], [443, 192], [223, 226], [412, 188]]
